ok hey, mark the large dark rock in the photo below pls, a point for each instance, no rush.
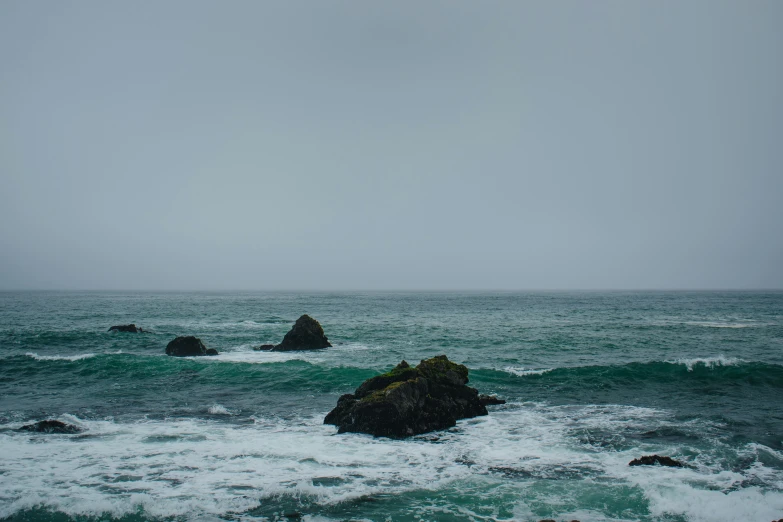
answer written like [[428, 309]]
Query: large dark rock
[[126, 328], [51, 426], [651, 460], [188, 346], [306, 334], [408, 401]]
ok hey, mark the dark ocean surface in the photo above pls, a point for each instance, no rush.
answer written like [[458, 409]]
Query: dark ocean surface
[[593, 380]]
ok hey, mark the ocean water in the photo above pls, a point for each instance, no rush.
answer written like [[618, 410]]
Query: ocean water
[[593, 380]]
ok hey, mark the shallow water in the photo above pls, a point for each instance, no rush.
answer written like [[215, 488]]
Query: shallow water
[[592, 380]]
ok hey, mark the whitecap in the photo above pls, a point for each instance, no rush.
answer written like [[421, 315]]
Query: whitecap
[[709, 362], [716, 324], [218, 409], [60, 357], [522, 371]]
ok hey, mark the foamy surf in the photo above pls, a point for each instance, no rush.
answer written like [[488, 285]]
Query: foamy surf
[[118, 469]]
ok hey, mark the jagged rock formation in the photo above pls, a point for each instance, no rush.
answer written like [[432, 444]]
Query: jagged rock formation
[[132, 328], [51, 426], [188, 346], [306, 334], [408, 401], [651, 460]]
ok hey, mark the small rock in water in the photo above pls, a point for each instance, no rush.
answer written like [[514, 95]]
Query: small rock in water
[[264, 347], [132, 328], [488, 400], [306, 334], [188, 346], [651, 460], [51, 426], [409, 401]]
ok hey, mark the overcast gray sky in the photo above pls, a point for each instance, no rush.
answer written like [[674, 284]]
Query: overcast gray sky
[[395, 145]]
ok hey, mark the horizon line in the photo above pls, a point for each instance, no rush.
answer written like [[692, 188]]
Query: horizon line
[[399, 290]]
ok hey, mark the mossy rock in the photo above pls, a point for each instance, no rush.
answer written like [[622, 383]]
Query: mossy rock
[[408, 401]]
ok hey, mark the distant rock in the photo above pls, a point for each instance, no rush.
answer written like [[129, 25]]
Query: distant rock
[[489, 400], [51, 426], [188, 346], [651, 460], [132, 328], [306, 334], [264, 347], [409, 401]]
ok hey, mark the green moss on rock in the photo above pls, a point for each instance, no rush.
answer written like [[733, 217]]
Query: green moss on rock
[[407, 401]]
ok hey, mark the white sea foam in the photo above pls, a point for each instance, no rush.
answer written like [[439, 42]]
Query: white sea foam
[[522, 371], [60, 357], [709, 362], [718, 324], [194, 468], [218, 409], [246, 353]]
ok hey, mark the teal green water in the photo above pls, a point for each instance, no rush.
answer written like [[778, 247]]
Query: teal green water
[[592, 380]]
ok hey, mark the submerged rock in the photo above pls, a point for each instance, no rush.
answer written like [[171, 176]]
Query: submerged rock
[[51, 426], [489, 400], [651, 460], [132, 328], [408, 401], [264, 347], [188, 346], [306, 334]]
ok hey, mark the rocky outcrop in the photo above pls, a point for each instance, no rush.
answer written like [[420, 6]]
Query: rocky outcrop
[[651, 460], [306, 334], [408, 401], [132, 328], [51, 426], [188, 346]]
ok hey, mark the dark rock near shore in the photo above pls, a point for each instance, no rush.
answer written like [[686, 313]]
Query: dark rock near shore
[[306, 334], [51, 426], [132, 328], [188, 346], [408, 401], [264, 347], [489, 400], [651, 460]]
